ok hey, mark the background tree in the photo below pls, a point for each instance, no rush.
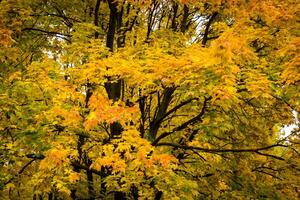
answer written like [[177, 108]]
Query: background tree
[[149, 99]]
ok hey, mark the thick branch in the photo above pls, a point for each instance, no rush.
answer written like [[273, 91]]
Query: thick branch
[[175, 9], [112, 25], [184, 18], [185, 124], [206, 32], [96, 17], [161, 110], [174, 109]]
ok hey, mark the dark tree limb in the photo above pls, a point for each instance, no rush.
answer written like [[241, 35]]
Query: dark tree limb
[[51, 33], [150, 20], [33, 157], [267, 173], [96, 17], [184, 21], [185, 124], [254, 150], [174, 109], [112, 24], [173, 23], [206, 31], [161, 110], [47, 32]]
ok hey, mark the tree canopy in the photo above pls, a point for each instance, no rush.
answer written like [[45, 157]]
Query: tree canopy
[[149, 99]]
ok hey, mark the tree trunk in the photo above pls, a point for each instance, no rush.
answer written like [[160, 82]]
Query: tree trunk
[[114, 89], [90, 180]]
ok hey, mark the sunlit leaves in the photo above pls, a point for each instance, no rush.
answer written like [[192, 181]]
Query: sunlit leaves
[[104, 111], [83, 115], [55, 159]]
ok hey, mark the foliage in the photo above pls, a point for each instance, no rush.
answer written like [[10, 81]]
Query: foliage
[[151, 99]]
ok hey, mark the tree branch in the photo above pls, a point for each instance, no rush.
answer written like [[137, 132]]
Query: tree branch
[[255, 150], [161, 109], [185, 124], [79, 166], [96, 17], [50, 33], [47, 32], [174, 109], [39, 157], [206, 32]]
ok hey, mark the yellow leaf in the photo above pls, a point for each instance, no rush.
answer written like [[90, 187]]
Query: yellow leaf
[[74, 177]]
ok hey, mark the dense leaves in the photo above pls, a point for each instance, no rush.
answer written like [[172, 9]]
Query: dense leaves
[[151, 99]]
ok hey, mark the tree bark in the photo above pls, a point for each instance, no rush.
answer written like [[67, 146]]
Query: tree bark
[[184, 18], [206, 32], [96, 17], [90, 180], [114, 88]]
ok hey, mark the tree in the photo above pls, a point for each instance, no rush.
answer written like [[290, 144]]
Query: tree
[[150, 99]]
